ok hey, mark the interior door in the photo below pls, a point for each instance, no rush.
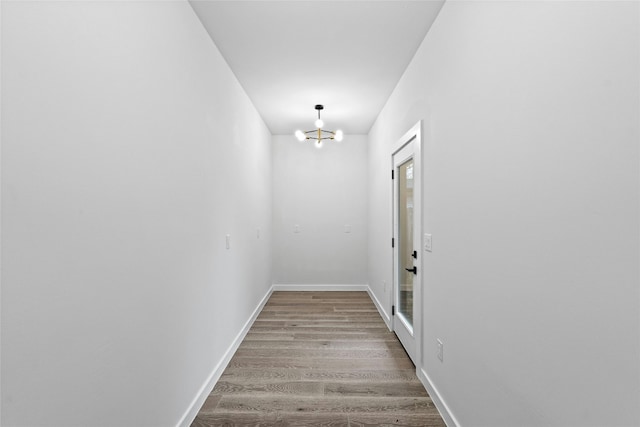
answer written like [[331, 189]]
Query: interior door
[[405, 251]]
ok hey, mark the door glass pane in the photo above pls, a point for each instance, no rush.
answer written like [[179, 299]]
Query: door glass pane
[[405, 240]]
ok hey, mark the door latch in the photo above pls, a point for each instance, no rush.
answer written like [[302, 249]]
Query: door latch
[[414, 269]]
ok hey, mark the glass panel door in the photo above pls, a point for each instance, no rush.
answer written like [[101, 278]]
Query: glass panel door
[[405, 242], [407, 270]]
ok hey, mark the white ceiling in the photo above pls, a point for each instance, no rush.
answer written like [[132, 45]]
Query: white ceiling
[[291, 55]]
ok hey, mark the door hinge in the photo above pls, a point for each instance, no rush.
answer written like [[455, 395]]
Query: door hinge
[[392, 174], [393, 242], [393, 310]]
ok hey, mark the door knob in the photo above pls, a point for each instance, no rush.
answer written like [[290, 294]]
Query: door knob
[[414, 269]]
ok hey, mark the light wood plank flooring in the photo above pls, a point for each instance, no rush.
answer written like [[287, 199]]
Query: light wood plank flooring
[[319, 358]]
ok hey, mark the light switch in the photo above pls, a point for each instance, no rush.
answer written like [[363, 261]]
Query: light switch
[[296, 228], [228, 236], [428, 243], [347, 228]]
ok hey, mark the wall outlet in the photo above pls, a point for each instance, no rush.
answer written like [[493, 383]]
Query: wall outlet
[[347, 228], [440, 351], [257, 233], [296, 228]]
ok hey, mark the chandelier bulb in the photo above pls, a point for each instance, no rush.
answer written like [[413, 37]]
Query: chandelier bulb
[[300, 135], [319, 124], [338, 136]]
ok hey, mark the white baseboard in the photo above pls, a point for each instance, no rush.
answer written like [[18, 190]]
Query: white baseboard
[[380, 308], [208, 385], [446, 414], [319, 287]]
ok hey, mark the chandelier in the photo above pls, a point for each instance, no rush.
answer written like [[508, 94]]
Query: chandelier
[[319, 134]]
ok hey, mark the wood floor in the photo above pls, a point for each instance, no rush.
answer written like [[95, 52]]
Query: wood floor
[[319, 358]]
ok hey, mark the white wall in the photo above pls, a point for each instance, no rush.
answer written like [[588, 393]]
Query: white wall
[[531, 193], [129, 151], [321, 191]]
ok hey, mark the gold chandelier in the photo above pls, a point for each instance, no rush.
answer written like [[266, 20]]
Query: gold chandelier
[[319, 134]]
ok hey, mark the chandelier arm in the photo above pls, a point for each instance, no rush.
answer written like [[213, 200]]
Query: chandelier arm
[[321, 130], [319, 139]]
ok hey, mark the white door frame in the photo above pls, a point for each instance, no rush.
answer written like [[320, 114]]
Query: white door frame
[[412, 135]]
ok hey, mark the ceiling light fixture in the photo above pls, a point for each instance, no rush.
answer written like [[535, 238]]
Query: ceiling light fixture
[[319, 134]]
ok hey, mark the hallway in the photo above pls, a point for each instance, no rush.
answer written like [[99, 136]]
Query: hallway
[[319, 358], [154, 195]]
